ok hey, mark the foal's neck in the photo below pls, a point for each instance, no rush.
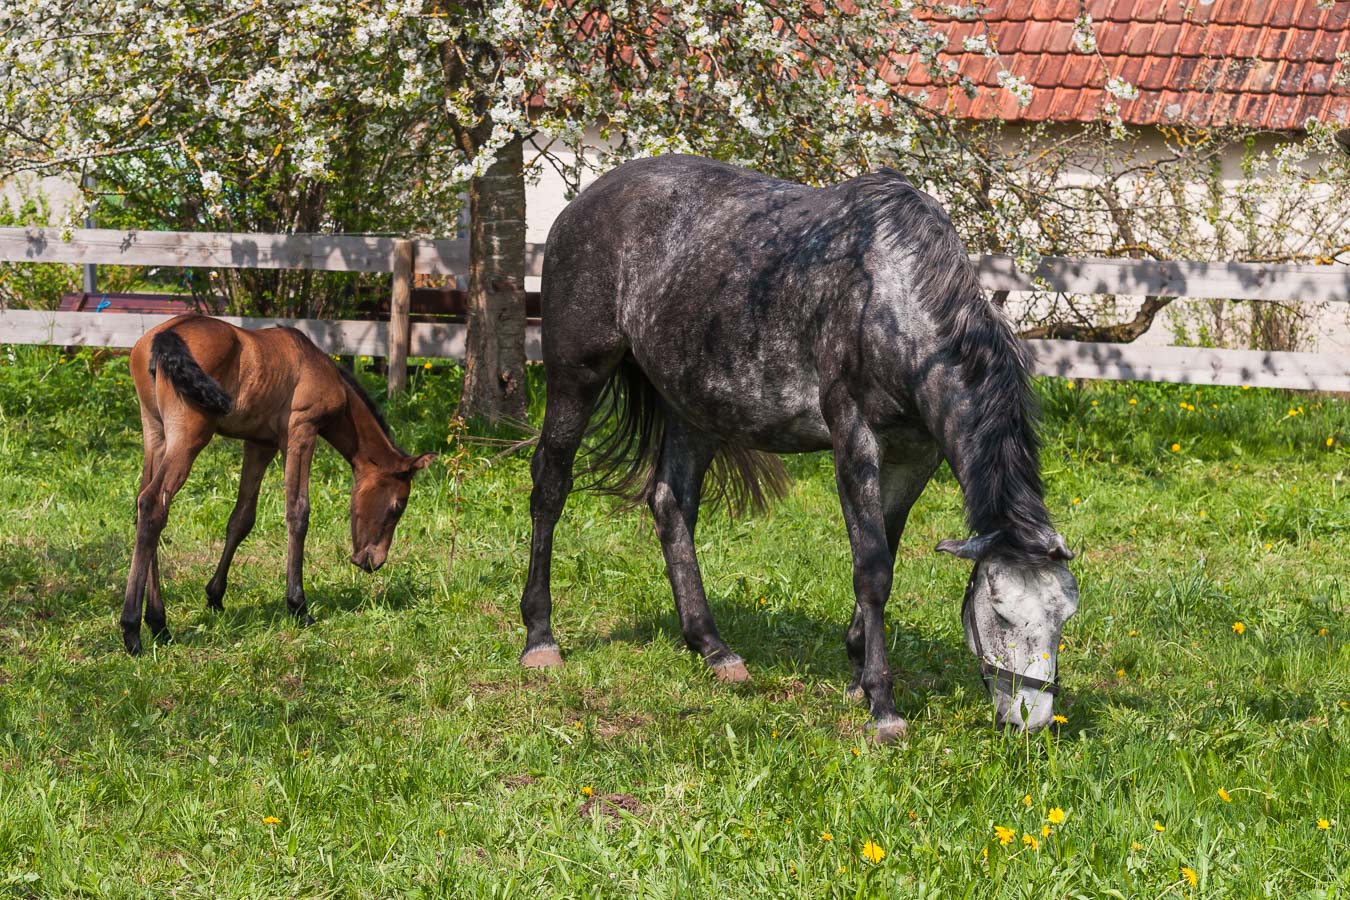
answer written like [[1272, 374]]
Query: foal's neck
[[358, 436]]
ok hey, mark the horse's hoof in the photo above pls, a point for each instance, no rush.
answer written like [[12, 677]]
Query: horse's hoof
[[549, 657], [163, 637], [306, 620], [215, 605], [132, 643], [731, 673], [889, 731], [854, 693]]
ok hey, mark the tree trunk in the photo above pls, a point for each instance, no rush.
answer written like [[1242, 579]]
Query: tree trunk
[[494, 369]]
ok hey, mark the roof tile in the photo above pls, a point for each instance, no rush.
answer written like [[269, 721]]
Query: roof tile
[[1259, 63]]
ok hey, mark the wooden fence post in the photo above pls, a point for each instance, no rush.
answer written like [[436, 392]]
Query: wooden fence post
[[399, 306]]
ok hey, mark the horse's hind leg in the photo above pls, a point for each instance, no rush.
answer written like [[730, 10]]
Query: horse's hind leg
[[257, 457], [685, 456], [901, 485], [152, 512], [572, 393]]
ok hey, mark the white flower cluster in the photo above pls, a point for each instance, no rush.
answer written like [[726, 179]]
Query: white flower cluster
[[1121, 89], [1084, 36], [1015, 86]]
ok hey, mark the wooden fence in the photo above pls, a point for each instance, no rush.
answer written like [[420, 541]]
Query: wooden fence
[[398, 338]]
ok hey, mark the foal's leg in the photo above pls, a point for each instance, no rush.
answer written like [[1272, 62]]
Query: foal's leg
[[257, 457], [152, 512], [299, 453], [572, 393], [685, 455], [901, 485], [857, 468]]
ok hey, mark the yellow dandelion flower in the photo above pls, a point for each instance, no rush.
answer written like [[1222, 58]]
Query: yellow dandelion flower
[[587, 791], [873, 853], [1246, 387], [1120, 673], [1225, 796], [1026, 801], [427, 366], [1045, 831], [1094, 402], [774, 733], [1136, 846], [1062, 720], [826, 836], [1189, 874], [1203, 513], [1159, 827], [1062, 645], [1321, 632], [271, 820], [1069, 384], [440, 832], [1323, 825], [1134, 402], [1055, 815], [1331, 441], [1077, 500], [1269, 545], [1134, 633], [1239, 628], [1031, 842], [853, 750], [1005, 835], [1176, 448]]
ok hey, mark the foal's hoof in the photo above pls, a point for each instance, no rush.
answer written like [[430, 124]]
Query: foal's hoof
[[132, 643], [733, 672], [854, 693], [549, 657], [163, 637], [887, 732]]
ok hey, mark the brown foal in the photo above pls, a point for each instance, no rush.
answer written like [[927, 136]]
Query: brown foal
[[197, 377]]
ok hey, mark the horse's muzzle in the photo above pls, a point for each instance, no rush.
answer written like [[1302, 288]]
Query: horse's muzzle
[[365, 561]]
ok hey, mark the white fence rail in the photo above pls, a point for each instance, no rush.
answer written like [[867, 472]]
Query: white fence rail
[[352, 253]]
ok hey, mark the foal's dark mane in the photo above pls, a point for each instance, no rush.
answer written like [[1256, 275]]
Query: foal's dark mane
[[355, 385], [1003, 490]]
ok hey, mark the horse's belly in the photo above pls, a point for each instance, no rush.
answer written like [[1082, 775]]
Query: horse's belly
[[778, 417]]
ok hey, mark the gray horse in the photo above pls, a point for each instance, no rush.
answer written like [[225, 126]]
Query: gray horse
[[726, 316]]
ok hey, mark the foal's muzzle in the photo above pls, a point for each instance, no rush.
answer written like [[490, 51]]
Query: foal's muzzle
[[365, 561]]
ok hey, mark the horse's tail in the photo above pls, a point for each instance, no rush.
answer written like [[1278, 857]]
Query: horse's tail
[[169, 354], [624, 455]]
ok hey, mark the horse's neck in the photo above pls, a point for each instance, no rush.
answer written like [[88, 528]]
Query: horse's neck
[[991, 448], [357, 435]]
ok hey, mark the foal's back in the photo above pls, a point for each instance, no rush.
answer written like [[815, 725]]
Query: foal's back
[[269, 376]]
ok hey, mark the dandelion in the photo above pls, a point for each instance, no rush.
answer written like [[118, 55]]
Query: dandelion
[[1239, 628], [1134, 632], [587, 791], [1026, 801], [271, 820], [1094, 402], [1189, 874], [1135, 846], [1045, 831], [1061, 720], [1029, 841], [1134, 401], [1077, 500], [1005, 835], [1056, 815], [1120, 673], [440, 832], [427, 366], [1323, 825], [1159, 827], [826, 836], [1322, 632], [774, 733], [1331, 441], [1225, 796], [873, 853], [1269, 545], [853, 750], [1069, 384], [1176, 448]]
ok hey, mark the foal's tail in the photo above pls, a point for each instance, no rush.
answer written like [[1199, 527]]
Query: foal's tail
[[628, 433], [169, 353]]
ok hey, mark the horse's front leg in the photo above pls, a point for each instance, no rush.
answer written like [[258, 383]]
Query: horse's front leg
[[685, 456], [299, 453], [857, 468], [257, 457], [901, 485]]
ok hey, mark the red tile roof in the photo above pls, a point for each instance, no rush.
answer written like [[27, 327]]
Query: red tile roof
[[1257, 63]]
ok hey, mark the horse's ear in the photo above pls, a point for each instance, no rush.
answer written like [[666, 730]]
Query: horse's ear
[[1059, 548], [427, 459], [970, 548]]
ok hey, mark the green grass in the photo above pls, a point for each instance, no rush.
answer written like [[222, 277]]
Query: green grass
[[405, 754]]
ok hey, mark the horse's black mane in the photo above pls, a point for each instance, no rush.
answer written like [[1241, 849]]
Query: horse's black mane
[[1003, 492], [355, 385]]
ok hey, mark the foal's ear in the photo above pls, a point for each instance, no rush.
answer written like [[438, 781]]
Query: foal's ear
[[970, 548], [416, 464]]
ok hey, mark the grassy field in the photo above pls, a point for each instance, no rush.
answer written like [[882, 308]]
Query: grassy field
[[395, 748]]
